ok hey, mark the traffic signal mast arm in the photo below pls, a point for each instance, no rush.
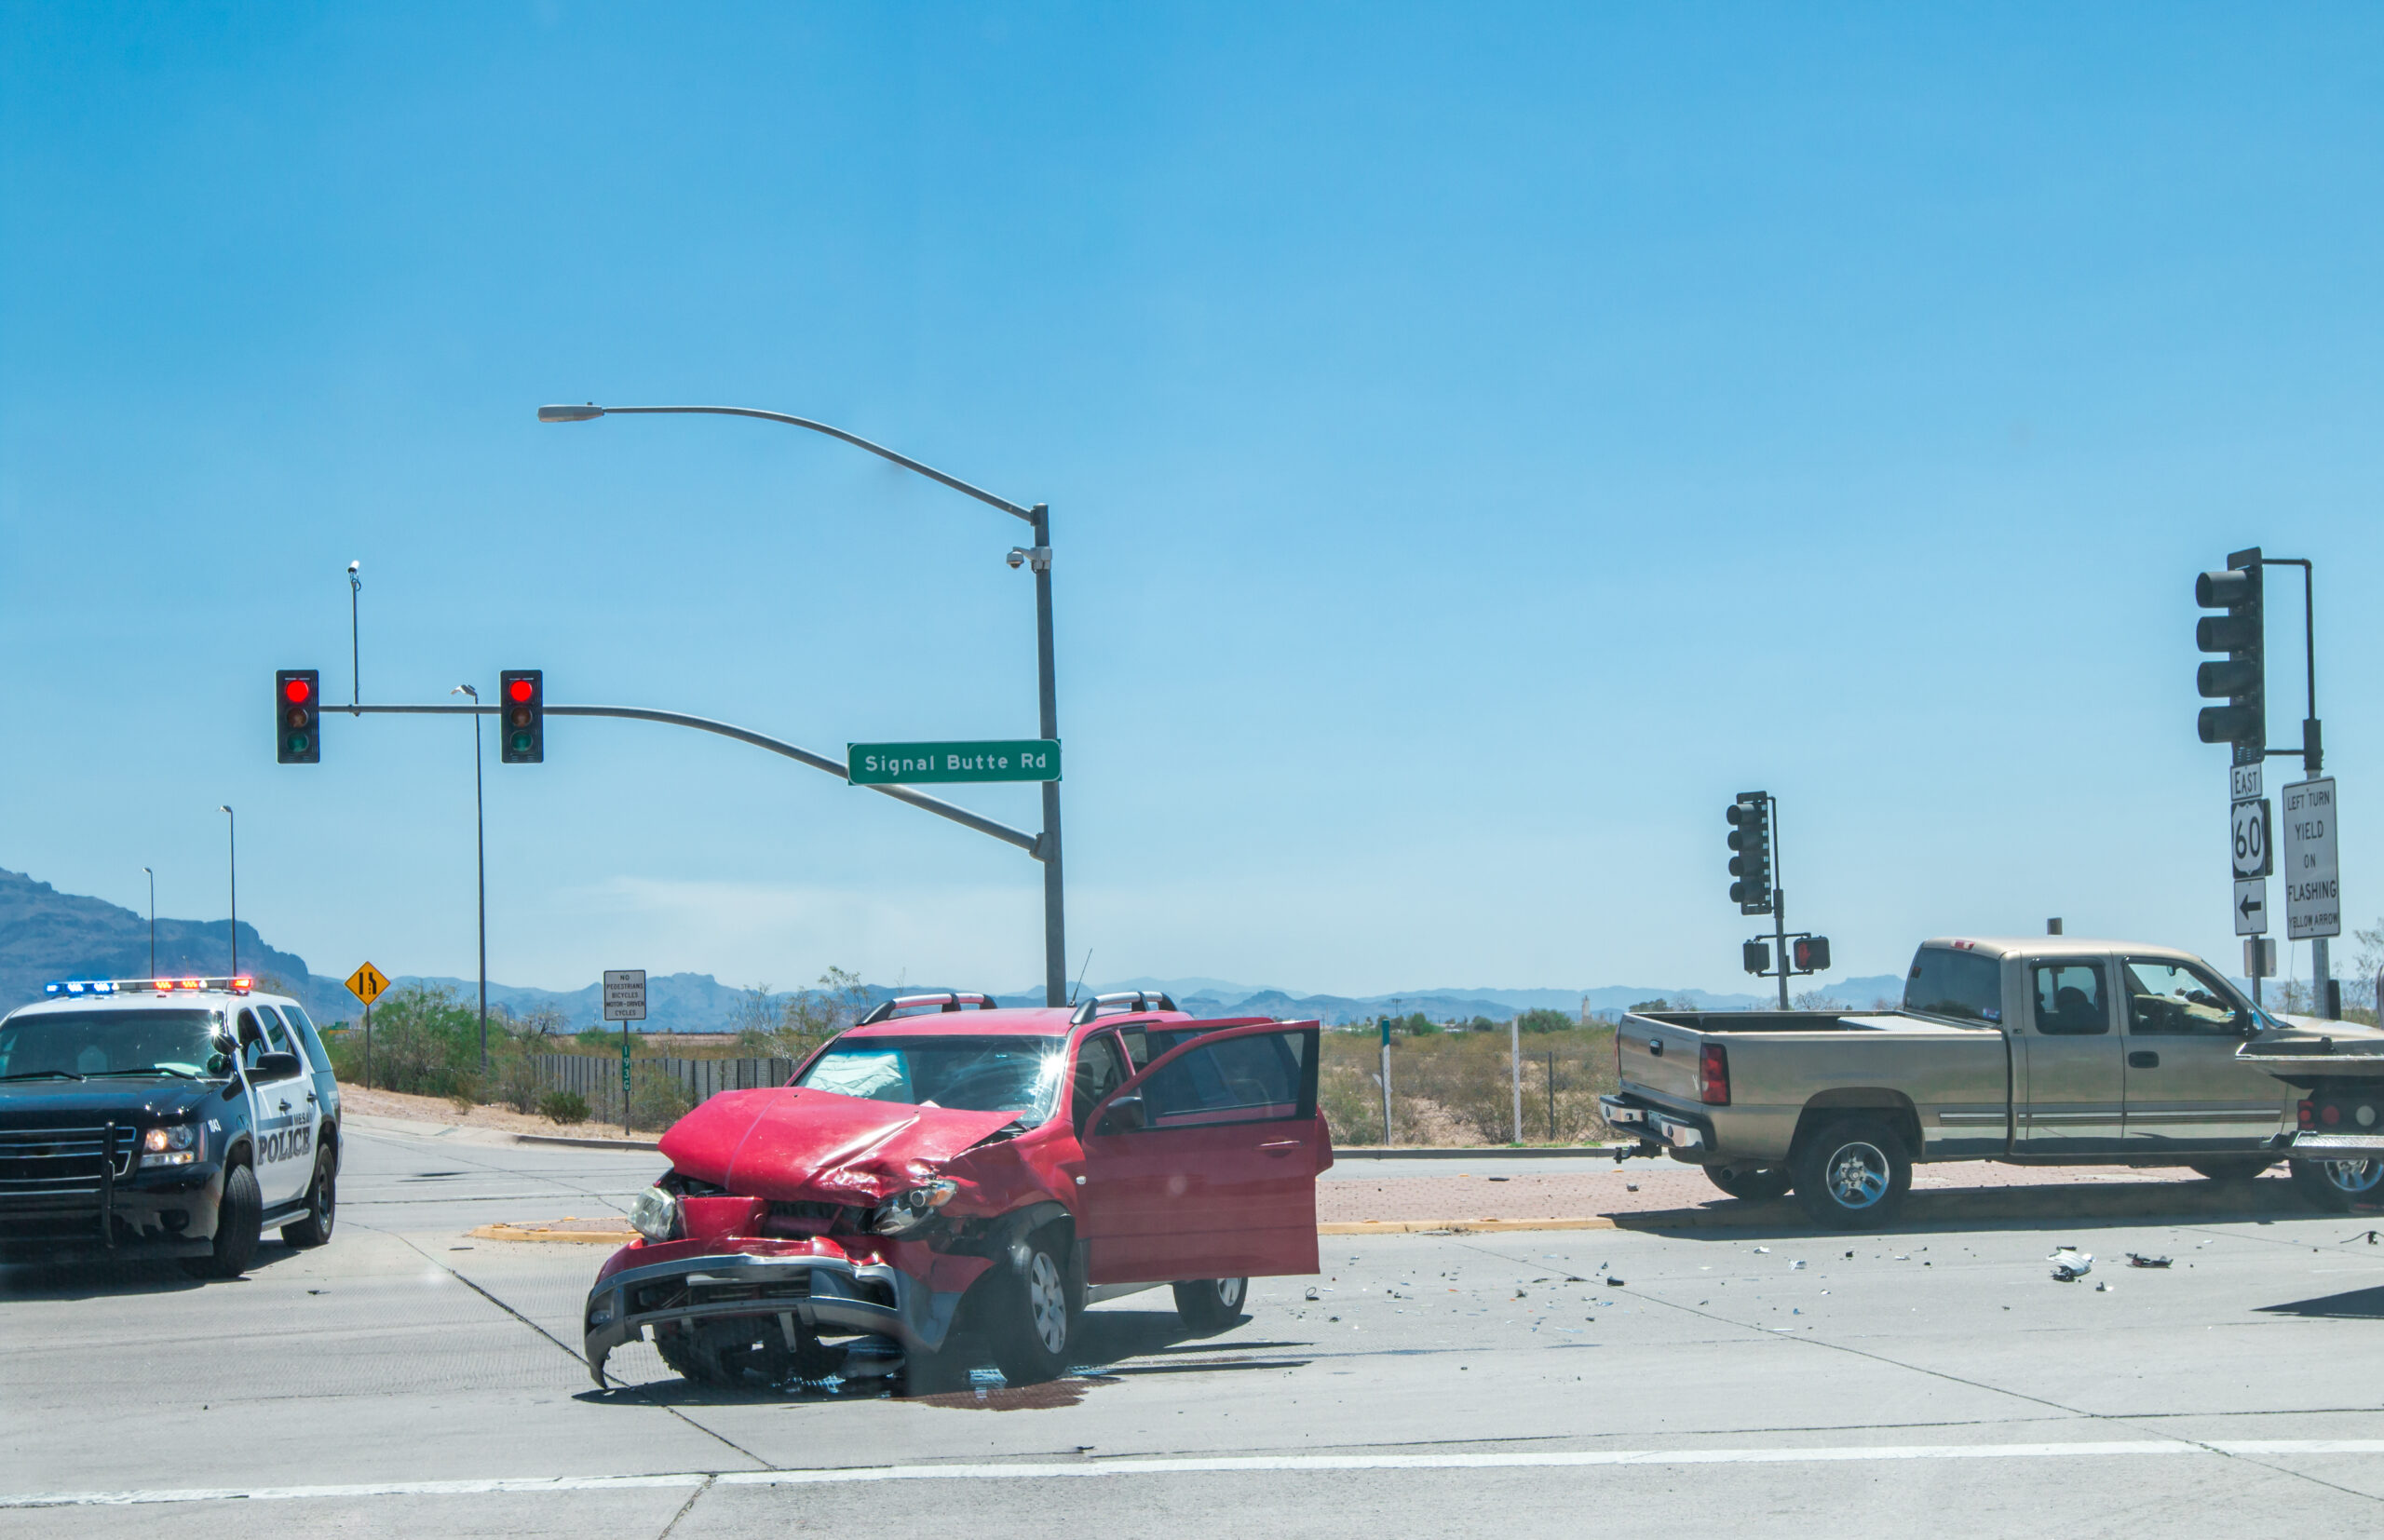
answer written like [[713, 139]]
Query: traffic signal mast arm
[[941, 808]]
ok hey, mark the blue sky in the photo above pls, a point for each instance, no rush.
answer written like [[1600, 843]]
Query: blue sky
[[1479, 443]]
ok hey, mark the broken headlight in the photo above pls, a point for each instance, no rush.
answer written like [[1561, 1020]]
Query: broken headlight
[[906, 1211], [655, 1214]]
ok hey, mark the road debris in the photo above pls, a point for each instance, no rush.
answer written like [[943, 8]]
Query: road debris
[[1614, 1283], [2138, 1259], [2070, 1264], [2103, 1288]]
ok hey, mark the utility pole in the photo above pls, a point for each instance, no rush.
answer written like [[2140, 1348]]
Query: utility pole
[[1386, 1082], [153, 922], [1516, 1066], [479, 856], [232, 834]]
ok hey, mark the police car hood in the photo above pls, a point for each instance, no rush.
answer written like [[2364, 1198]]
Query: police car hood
[[81, 1103], [794, 1144]]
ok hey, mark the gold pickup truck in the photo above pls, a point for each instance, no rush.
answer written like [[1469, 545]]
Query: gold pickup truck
[[2044, 1050]]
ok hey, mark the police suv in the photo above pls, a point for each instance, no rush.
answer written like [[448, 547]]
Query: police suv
[[165, 1116]]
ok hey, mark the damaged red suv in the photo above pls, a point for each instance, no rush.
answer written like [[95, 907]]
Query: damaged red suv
[[951, 1176]]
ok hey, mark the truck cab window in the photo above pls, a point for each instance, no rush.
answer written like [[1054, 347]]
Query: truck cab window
[[2167, 999], [2069, 1000], [1963, 985]]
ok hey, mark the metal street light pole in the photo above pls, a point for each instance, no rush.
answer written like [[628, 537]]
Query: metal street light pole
[[355, 585], [153, 922], [479, 854], [1047, 848], [231, 833]]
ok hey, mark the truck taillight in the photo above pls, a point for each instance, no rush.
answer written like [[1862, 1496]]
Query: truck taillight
[[2309, 1115], [1714, 1075]]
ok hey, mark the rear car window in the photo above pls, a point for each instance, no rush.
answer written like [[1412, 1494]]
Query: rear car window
[[1966, 986]]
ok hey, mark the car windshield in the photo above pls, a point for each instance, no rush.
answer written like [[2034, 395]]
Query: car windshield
[[985, 1075], [85, 1043]]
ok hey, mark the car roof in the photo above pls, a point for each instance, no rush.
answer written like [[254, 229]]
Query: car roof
[[2056, 946], [1004, 1021], [210, 999]]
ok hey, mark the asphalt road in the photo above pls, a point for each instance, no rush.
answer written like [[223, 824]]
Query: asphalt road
[[1934, 1382]]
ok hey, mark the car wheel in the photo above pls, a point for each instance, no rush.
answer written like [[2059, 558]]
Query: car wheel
[[322, 1207], [1028, 1322], [240, 1222], [2230, 1171], [2334, 1186], [1755, 1184], [1853, 1174], [1211, 1305]]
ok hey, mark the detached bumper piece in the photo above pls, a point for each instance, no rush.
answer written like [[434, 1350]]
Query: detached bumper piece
[[1653, 1125], [818, 1294]]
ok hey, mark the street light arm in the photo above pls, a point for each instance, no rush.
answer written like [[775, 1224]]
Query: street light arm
[[582, 414]]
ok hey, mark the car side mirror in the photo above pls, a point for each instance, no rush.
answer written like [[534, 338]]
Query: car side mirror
[[278, 1066], [1123, 1115], [219, 1063]]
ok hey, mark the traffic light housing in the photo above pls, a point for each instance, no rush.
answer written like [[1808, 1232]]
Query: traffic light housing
[[1755, 956], [2241, 679], [1811, 953], [1750, 818], [521, 716], [297, 717]]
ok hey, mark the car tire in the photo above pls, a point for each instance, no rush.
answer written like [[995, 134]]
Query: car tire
[[2229, 1171], [1027, 1318], [1853, 1174], [1211, 1305], [2336, 1187], [239, 1223], [322, 1207], [1755, 1184]]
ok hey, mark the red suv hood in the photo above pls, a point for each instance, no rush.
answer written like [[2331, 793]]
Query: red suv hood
[[792, 1143]]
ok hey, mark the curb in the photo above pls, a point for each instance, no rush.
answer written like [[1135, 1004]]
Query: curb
[[1460, 1226], [576, 1142], [532, 1232]]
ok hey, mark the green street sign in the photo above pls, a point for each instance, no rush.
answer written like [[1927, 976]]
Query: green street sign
[[909, 764]]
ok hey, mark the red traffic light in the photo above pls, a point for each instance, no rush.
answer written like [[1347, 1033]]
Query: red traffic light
[[521, 689], [296, 690]]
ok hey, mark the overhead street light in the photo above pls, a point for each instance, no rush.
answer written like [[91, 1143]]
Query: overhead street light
[[1038, 556]]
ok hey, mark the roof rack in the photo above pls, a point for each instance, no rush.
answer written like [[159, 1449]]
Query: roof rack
[[884, 1010], [161, 986], [1128, 1001]]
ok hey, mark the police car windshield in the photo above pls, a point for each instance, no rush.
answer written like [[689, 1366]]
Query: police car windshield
[[84, 1043], [985, 1075]]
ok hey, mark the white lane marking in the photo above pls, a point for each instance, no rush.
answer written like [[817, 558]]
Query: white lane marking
[[1220, 1465]]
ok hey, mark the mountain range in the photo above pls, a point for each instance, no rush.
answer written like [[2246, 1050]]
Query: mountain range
[[47, 935]]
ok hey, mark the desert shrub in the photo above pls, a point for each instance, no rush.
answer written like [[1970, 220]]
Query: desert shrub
[[1457, 1088], [563, 1107]]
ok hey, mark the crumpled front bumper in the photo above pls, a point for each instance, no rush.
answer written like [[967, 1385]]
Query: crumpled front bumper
[[804, 1287]]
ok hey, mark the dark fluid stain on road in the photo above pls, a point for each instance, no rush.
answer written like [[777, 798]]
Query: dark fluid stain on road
[[1049, 1395]]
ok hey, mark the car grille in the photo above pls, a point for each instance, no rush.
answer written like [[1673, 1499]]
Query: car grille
[[61, 1162]]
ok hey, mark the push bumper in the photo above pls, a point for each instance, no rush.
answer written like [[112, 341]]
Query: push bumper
[[822, 1292], [150, 1214], [1653, 1125]]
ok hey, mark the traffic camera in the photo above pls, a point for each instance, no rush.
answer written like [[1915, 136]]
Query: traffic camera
[[1750, 843], [522, 707], [2241, 678], [297, 711]]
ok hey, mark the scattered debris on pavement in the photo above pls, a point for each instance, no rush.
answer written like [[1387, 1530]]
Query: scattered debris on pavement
[[2069, 1264], [2135, 1259]]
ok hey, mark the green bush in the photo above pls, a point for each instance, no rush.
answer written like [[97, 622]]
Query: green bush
[[426, 1042], [1458, 1088], [564, 1107]]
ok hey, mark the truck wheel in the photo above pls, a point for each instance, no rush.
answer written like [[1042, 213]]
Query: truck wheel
[[1211, 1305], [240, 1220], [2230, 1171], [2334, 1186], [1755, 1184], [1027, 1320], [322, 1207], [1853, 1174]]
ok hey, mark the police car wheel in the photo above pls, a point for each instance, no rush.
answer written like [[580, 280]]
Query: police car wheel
[[239, 1218], [322, 1207]]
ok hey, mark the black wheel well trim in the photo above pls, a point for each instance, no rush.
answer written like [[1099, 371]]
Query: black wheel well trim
[[1891, 1107]]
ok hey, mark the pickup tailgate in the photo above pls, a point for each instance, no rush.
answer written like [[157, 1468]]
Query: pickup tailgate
[[1659, 1057]]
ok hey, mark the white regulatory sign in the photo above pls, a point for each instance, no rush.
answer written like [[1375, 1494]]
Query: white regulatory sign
[[624, 994], [2312, 907], [2243, 782], [2247, 838], [2251, 906]]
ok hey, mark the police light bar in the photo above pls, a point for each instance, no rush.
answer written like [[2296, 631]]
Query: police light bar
[[241, 985]]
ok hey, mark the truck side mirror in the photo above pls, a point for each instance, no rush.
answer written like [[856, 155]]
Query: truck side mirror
[[1123, 1115]]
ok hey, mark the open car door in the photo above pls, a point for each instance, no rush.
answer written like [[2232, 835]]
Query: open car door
[[1204, 1164]]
